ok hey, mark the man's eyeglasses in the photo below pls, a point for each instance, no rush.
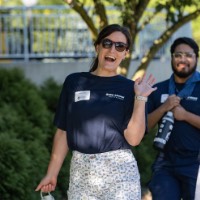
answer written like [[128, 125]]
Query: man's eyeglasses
[[187, 55], [119, 46]]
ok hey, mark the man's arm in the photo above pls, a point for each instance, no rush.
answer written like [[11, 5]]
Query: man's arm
[[183, 115]]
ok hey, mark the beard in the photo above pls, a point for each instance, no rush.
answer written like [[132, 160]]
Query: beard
[[183, 74]]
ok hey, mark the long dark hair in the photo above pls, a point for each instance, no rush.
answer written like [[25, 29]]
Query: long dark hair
[[104, 33]]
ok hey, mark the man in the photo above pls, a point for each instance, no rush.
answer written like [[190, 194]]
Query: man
[[176, 168]]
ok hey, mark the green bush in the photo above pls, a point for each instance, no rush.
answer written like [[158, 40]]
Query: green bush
[[24, 127], [145, 155], [50, 91]]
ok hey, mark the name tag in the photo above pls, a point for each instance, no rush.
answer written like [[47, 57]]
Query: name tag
[[82, 95], [192, 98], [164, 98]]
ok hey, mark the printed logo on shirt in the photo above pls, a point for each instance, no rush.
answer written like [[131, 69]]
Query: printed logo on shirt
[[164, 98], [192, 98], [82, 95], [116, 96]]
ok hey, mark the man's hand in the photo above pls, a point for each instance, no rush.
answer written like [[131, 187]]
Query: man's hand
[[179, 113], [171, 102]]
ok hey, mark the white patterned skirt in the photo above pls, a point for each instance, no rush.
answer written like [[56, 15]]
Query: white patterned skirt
[[105, 176]]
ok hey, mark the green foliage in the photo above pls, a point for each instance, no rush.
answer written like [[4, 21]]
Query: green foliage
[[50, 91], [13, 172], [50, 2], [145, 155], [196, 30], [24, 127], [10, 2]]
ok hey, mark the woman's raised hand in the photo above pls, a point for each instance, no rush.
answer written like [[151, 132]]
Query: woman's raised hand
[[144, 86]]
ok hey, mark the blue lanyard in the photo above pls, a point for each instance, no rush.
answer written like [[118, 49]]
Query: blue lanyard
[[188, 87]]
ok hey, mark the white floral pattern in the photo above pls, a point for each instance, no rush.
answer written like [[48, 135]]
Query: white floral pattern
[[105, 176]]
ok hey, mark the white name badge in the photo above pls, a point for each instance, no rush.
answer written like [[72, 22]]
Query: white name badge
[[164, 98], [82, 95]]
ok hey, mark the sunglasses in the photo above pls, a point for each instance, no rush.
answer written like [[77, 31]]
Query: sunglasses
[[119, 46]]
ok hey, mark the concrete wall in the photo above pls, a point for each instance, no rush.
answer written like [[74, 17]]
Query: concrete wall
[[38, 71]]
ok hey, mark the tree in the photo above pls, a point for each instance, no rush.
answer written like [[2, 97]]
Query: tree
[[137, 15]]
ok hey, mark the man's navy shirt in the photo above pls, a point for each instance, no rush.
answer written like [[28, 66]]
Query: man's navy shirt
[[183, 145]]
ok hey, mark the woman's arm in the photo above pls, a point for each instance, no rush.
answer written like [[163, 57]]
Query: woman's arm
[[137, 124], [59, 152]]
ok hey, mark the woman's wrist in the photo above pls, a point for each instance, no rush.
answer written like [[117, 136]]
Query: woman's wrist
[[141, 98]]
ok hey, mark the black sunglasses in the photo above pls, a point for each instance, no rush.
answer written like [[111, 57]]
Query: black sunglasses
[[119, 46]]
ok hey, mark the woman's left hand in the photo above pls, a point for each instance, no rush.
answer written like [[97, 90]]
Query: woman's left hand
[[144, 86]]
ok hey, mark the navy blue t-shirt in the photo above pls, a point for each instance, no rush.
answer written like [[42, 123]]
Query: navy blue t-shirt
[[183, 145], [95, 111]]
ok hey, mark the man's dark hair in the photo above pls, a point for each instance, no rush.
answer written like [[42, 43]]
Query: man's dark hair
[[188, 41]]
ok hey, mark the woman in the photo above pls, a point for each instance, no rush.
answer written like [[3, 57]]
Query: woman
[[100, 120]]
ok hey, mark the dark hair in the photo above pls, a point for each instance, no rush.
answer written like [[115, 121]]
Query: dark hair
[[188, 41], [104, 33]]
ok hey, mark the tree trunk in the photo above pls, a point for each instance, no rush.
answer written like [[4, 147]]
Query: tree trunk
[[160, 42]]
